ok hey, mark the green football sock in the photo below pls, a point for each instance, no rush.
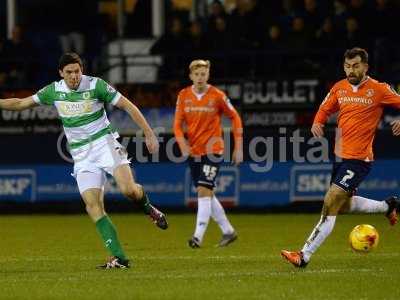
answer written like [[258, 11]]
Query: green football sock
[[109, 235], [144, 203]]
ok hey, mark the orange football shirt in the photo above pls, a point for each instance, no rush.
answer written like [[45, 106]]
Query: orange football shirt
[[360, 109], [202, 117]]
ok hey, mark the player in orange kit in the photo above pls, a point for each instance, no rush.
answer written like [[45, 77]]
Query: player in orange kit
[[200, 107], [360, 100]]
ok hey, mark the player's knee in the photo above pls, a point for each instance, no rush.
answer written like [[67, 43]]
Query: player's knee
[[335, 193], [345, 208], [331, 210], [132, 191], [334, 200], [94, 208]]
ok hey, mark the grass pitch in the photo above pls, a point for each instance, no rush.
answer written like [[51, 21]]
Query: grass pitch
[[54, 257]]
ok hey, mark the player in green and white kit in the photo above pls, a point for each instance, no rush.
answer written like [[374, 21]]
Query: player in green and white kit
[[80, 100]]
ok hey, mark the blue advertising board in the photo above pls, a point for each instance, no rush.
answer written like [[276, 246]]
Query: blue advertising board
[[227, 187], [19, 185], [309, 182], [169, 184]]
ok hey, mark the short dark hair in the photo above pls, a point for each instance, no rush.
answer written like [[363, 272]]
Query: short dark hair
[[353, 52], [69, 58]]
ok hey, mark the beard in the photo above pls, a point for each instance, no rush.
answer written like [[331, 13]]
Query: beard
[[354, 79]]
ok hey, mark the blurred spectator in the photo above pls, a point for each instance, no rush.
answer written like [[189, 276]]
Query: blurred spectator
[[340, 14], [327, 37], [270, 59], [246, 24], [220, 44], [384, 31], [107, 14], [354, 36], [173, 40], [199, 10], [71, 22], [3, 62], [21, 57], [137, 18], [287, 15], [301, 59], [385, 16], [274, 40], [271, 10], [219, 38], [359, 10], [170, 45], [103, 23], [3, 18], [178, 9], [196, 44], [313, 16], [216, 11], [298, 38]]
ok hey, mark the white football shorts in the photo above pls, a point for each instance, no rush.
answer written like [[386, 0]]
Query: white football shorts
[[92, 164]]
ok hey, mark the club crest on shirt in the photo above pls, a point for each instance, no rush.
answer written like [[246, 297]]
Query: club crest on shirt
[[369, 93], [86, 95], [342, 92]]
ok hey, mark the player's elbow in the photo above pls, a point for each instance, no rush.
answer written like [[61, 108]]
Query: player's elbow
[[126, 105]]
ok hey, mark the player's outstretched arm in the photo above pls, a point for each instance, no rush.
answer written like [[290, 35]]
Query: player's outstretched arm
[[17, 103], [151, 139]]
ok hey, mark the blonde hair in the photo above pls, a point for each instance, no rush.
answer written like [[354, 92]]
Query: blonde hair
[[198, 63]]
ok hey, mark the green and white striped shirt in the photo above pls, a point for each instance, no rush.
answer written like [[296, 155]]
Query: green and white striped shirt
[[81, 111]]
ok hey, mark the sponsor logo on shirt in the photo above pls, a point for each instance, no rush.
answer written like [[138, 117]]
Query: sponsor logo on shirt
[[355, 100], [74, 108], [199, 109]]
